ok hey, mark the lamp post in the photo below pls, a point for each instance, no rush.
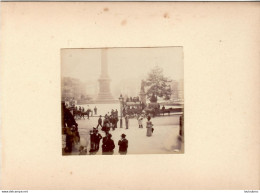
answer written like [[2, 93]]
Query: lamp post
[[121, 99]]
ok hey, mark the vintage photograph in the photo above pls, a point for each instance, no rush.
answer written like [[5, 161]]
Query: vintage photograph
[[118, 101]]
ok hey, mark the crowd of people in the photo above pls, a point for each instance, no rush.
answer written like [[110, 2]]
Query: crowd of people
[[69, 129], [132, 99], [108, 144], [107, 123]]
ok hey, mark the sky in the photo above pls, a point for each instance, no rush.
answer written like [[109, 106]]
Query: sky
[[126, 66]]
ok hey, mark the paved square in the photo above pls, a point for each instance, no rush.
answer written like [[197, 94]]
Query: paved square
[[163, 141]]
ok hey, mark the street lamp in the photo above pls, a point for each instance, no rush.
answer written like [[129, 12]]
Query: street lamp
[[121, 99]]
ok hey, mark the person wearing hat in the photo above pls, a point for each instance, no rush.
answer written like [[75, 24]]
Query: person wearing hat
[[92, 140], [116, 120], [99, 122], [123, 144], [149, 126], [140, 121], [108, 145], [69, 140], [126, 121], [97, 138]]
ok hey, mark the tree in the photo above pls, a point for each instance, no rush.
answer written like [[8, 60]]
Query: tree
[[153, 99], [157, 84]]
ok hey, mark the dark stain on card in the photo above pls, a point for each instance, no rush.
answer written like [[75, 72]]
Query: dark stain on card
[[105, 9], [123, 22], [166, 15]]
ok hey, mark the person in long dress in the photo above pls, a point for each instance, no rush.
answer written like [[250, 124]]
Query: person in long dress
[[149, 126]]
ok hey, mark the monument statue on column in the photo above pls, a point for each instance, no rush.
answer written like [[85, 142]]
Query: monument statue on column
[[142, 93], [104, 95]]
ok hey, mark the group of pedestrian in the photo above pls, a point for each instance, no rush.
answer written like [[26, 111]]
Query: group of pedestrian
[[69, 129], [95, 138], [132, 99], [81, 109], [108, 144], [109, 122]]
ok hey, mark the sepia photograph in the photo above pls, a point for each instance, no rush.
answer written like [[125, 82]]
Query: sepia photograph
[[129, 96], [122, 101]]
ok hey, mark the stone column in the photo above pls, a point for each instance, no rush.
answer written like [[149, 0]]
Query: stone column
[[104, 95], [142, 93]]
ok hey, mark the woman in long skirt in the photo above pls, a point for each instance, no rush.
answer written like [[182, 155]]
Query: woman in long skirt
[[149, 126]]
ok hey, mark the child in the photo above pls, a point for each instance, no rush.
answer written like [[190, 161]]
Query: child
[[140, 121]]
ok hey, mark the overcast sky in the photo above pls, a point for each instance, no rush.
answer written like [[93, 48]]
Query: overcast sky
[[124, 64]]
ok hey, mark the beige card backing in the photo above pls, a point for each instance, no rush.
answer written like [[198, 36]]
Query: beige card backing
[[221, 90]]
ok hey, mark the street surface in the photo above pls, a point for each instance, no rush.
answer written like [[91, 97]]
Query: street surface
[[163, 141]]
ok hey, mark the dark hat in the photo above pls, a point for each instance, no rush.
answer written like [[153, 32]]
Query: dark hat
[[123, 135]]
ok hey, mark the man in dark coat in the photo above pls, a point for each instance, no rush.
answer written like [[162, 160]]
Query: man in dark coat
[[104, 127], [95, 110], [97, 138], [67, 118], [181, 125], [112, 112], [69, 140], [99, 122], [108, 145], [163, 109], [123, 144], [113, 121], [126, 121], [92, 141], [116, 121]]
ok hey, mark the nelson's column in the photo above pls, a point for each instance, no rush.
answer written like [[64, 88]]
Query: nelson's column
[[104, 95]]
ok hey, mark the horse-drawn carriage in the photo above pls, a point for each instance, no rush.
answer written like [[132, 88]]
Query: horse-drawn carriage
[[171, 110], [132, 109], [152, 109], [79, 113]]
